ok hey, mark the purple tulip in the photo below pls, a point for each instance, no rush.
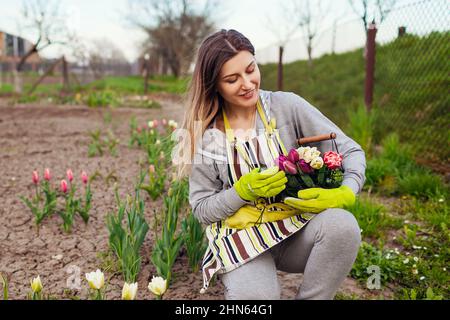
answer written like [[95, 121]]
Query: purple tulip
[[290, 167], [305, 167], [293, 156], [280, 162]]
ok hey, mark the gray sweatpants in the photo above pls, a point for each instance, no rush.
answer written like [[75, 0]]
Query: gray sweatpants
[[324, 251]]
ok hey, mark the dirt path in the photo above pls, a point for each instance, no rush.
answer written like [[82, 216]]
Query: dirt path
[[34, 137]]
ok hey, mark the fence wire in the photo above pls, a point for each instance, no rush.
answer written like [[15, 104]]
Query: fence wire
[[411, 75]]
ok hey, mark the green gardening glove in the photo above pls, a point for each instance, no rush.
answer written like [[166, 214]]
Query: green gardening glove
[[266, 184], [316, 200]]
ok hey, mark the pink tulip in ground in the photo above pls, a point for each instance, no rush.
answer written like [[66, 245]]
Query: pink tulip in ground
[[63, 186], [152, 168], [155, 123], [47, 175], [164, 122], [84, 177], [35, 177], [69, 175]]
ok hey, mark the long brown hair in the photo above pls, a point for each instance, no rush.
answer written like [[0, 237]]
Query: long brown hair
[[202, 100]]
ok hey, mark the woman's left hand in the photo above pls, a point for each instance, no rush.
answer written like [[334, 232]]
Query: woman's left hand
[[316, 200]]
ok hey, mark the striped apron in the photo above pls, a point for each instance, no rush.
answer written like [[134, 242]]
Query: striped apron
[[229, 248]]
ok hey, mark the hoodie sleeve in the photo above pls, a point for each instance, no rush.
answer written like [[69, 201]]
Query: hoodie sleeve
[[309, 121], [209, 200]]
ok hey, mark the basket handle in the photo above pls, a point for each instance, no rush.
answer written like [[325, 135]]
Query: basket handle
[[318, 138]]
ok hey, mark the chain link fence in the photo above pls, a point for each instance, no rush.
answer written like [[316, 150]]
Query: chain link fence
[[411, 75], [412, 78]]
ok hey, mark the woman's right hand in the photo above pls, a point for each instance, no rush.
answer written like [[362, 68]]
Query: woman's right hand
[[266, 184]]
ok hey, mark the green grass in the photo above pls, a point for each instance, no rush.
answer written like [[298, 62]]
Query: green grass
[[411, 89], [372, 217], [135, 84]]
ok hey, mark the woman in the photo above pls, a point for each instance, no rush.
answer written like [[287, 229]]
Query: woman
[[235, 129]]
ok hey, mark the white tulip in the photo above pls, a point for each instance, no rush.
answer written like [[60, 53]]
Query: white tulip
[[317, 163], [129, 291], [36, 284], [158, 286], [96, 279]]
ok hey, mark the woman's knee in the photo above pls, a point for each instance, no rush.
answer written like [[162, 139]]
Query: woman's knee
[[340, 225], [248, 292], [255, 280]]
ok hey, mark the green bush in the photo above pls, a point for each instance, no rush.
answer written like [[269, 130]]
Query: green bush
[[106, 98]]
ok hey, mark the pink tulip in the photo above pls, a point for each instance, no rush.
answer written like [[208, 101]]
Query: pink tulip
[[332, 160], [290, 167], [69, 175], [164, 122], [47, 175], [293, 156], [152, 168], [280, 160], [84, 177], [35, 177], [63, 186], [305, 167], [155, 123]]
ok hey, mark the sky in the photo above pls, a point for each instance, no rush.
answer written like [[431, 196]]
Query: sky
[[97, 19]]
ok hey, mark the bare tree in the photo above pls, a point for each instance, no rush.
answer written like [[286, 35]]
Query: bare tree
[[369, 11], [310, 16], [174, 29], [46, 20], [104, 55], [284, 25]]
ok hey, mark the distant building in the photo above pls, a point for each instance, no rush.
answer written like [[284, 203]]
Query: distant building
[[12, 49]]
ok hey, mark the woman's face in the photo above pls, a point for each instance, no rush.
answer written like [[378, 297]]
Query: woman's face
[[239, 80]]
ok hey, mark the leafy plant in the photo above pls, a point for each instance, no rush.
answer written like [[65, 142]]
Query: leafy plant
[[156, 182], [168, 245], [194, 240], [126, 241], [43, 204], [4, 282]]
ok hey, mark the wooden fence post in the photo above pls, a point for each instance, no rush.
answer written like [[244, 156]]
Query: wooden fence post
[[370, 66], [66, 84], [280, 70]]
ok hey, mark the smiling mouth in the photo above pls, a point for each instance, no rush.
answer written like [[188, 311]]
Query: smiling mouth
[[248, 93]]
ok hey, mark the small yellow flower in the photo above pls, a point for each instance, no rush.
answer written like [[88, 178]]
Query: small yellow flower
[[36, 284], [129, 291], [158, 286], [96, 279]]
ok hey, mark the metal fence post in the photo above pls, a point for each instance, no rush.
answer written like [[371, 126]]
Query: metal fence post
[[370, 66]]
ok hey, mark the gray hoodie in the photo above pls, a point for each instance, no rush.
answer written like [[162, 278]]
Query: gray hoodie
[[210, 194]]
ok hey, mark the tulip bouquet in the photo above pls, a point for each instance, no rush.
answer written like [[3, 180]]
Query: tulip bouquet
[[305, 167]]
